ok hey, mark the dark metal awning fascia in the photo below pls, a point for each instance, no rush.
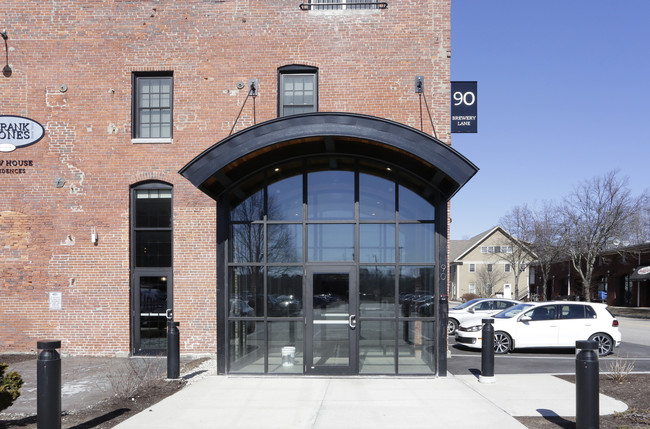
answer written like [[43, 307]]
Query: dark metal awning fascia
[[387, 140], [641, 274]]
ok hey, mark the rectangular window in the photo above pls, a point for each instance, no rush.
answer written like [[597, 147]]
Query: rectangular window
[[297, 93], [152, 107], [484, 249], [506, 268], [489, 268], [472, 288], [344, 4], [472, 268]]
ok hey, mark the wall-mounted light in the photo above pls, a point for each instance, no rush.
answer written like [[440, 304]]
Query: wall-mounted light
[[6, 70], [93, 235]]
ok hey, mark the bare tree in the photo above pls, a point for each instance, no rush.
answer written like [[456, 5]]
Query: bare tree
[[488, 277], [515, 246], [546, 241], [596, 212]]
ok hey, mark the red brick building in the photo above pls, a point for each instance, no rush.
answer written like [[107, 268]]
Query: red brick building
[[100, 234]]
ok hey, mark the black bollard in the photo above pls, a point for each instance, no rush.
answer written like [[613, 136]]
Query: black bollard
[[48, 385], [487, 352], [587, 400], [173, 350]]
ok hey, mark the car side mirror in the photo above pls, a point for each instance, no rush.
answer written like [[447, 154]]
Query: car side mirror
[[471, 310], [525, 319]]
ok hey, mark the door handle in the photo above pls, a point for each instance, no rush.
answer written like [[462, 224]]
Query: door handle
[[352, 321]]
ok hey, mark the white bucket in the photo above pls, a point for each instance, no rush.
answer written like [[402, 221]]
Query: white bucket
[[288, 356]]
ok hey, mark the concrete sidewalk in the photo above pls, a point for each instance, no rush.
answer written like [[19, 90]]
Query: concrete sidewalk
[[377, 403]]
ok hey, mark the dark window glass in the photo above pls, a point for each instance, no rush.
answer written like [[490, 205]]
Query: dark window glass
[[153, 248], [246, 287], [252, 208], [285, 291], [153, 208], [298, 94], [416, 291], [247, 243]]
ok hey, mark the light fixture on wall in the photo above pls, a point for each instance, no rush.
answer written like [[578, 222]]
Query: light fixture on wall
[[93, 235], [6, 70]]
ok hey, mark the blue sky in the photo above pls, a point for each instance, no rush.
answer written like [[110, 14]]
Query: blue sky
[[563, 96]]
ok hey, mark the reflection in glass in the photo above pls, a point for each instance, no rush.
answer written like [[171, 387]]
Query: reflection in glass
[[246, 287], [377, 291], [153, 304], [330, 242], [376, 198], [377, 243], [416, 291], [330, 195], [416, 345], [285, 292], [285, 242], [153, 248], [286, 347], [247, 242], [414, 207], [285, 199], [252, 208], [417, 242], [246, 346], [331, 307], [377, 347]]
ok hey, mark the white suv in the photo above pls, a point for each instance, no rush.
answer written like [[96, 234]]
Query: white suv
[[546, 324], [475, 308]]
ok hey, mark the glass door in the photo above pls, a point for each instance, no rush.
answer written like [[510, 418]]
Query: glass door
[[151, 300], [331, 334]]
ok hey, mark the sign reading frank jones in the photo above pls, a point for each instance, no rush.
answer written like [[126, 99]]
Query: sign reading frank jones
[[17, 132], [464, 107]]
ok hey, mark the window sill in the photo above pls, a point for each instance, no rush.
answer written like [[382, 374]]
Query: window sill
[[152, 141]]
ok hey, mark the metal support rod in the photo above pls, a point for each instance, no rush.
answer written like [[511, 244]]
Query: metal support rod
[[487, 351], [48, 385], [587, 400]]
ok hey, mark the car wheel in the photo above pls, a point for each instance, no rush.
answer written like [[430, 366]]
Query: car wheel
[[605, 343], [452, 325], [502, 343]]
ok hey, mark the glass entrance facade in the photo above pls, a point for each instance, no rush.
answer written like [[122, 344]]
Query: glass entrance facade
[[330, 266]]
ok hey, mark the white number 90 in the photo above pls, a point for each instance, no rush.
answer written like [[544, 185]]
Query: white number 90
[[467, 98]]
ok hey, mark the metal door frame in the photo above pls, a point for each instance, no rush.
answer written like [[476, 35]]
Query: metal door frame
[[353, 286]]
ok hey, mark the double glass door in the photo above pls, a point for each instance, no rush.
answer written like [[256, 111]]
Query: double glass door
[[331, 321]]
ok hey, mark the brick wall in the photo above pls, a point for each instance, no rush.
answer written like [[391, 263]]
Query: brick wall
[[367, 63]]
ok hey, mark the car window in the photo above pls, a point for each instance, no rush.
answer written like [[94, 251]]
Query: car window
[[590, 313], [512, 311], [502, 305], [485, 305], [546, 312], [572, 311], [466, 304]]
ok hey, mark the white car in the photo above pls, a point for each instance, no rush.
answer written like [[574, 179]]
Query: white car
[[475, 308], [546, 324]]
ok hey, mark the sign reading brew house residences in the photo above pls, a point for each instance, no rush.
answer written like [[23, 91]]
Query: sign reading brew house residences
[[16, 131], [464, 102]]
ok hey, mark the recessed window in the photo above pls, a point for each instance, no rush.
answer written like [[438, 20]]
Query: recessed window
[[298, 90], [152, 107]]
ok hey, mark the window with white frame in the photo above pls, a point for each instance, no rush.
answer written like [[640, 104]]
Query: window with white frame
[[506, 268], [152, 106], [472, 288], [472, 268]]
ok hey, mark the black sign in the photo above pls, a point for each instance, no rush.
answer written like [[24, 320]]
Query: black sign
[[464, 109]]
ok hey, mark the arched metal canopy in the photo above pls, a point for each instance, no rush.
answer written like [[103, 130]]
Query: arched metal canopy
[[329, 134]]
